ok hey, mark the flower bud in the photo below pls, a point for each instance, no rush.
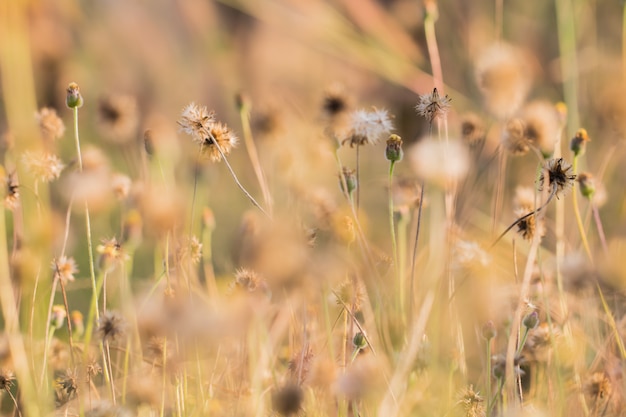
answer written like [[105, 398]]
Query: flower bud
[[73, 99], [489, 330], [349, 179], [359, 341], [578, 144], [394, 152], [587, 184], [531, 320]]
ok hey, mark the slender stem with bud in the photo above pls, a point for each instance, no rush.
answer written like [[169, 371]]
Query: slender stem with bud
[[394, 242]]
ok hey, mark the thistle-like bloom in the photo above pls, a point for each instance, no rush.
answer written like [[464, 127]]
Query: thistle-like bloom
[[196, 122], [111, 253], [433, 106], [50, 124], [111, 326], [368, 127], [64, 269], [45, 167], [201, 125], [560, 176]]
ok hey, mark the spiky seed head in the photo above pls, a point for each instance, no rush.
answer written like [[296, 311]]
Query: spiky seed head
[[432, 106]]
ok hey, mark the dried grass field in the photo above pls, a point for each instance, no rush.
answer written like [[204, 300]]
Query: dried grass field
[[312, 208]]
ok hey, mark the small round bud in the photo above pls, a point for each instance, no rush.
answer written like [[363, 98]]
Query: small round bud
[[359, 341], [393, 151], [587, 184], [531, 320], [489, 330], [73, 99], [578, 143], [349, 178]]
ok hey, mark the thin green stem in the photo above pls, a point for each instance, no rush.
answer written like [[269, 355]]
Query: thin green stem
[[489, 378], [579, 221], [394, 241]]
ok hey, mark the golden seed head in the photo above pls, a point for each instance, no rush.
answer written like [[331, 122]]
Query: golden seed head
[[45, 167], [50, 124]]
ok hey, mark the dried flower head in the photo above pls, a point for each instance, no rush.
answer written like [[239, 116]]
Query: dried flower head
[[190, 250], [44, 167], [111, 253], [473, 130], [368, 127], [560, 177], [472, 402], [196, 122], [432, 106], [64, 269], [50, 124], [350, 293], [118, 117], [6, 379], [502, 74], [528, 227], [514, 138], [599, 386], [201, 125], [68, 383], [120, 184], [542, 125], [524, 199], [12, 193], [336, 101], [111, 326], [287, 400], [248, 280]]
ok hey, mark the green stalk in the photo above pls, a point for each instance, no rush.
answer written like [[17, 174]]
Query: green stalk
[[394, 242]]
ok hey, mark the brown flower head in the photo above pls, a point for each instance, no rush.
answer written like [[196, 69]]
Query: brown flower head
[[514, 138], [118, 117], [432, 106], [560, 177], [473, 129], [12, 192], [6, 379], [111, 326], [201, 125], [287, 400], [528, 227]]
